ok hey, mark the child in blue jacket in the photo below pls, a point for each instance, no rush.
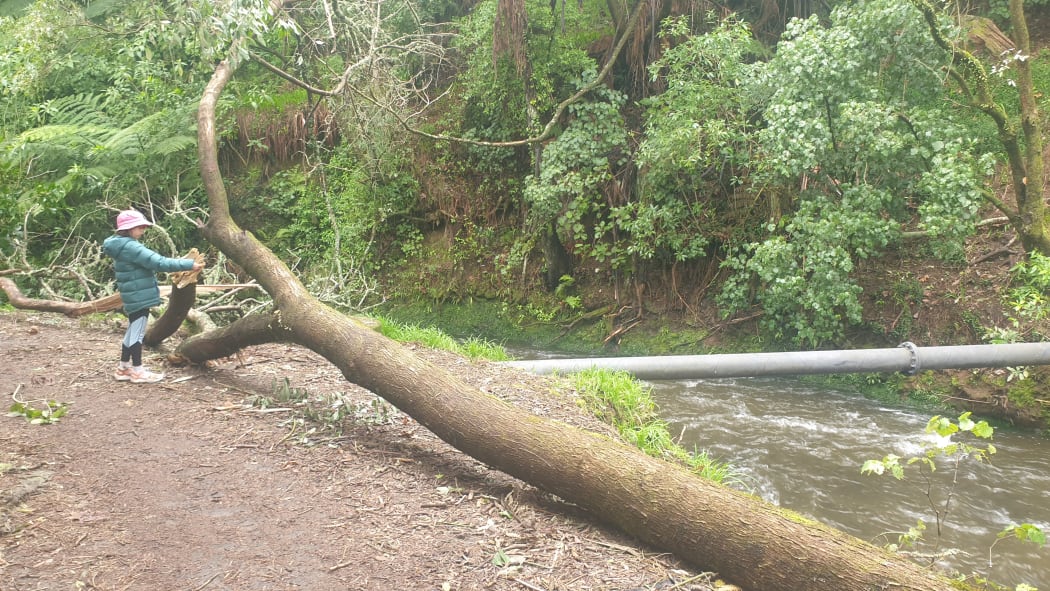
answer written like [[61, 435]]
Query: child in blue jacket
[[136, 267]]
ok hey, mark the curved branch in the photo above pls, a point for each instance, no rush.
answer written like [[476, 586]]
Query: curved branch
[[179, 305], [545, 134], [254, 329], [71, 309]]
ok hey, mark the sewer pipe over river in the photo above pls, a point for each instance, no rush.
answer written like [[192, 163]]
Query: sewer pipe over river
[[906, 358]]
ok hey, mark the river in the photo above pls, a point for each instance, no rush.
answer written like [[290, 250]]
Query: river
[[801, 446]]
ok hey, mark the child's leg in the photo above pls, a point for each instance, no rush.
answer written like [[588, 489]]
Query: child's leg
[[131, 348]]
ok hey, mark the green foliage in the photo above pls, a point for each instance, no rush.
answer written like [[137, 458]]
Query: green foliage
[[1028, 295], [577, 169], [999, 10], [494, 94], [856, 114], [698, 140], [499, 103], [1026, 532], [626, 404], [84, 150], [342, 225], [943, 447], [803, 277], [940, 446], [141, 53], [50, 411], [98, 116]]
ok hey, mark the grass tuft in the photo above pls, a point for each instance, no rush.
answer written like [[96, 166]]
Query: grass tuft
[[627, 404], [435, 338]]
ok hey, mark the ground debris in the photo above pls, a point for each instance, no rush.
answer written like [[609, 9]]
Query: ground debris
[[177, 487]]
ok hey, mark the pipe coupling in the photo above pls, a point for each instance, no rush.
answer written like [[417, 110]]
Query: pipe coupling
[[913, 366]]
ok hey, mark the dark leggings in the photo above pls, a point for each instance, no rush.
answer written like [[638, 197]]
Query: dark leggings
[[131, 348]]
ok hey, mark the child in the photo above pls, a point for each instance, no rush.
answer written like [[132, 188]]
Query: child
[[136, 267]]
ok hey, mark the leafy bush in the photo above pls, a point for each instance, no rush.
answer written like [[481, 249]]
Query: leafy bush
[[577, 169], [698, 141], [856, 116], [1028, 297]]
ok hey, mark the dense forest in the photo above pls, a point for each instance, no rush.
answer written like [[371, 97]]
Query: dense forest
[[792, 167]]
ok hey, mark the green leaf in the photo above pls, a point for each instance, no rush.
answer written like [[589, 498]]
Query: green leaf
[[873, 467], [983, 430], [1026, 532], [942, 426]]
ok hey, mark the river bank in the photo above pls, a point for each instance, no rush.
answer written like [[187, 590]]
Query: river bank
[[1012, 396]]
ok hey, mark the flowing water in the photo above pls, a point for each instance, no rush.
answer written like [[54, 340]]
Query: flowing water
[[802, 446]]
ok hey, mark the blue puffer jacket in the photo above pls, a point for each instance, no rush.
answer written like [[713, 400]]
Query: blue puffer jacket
[[136, 267]]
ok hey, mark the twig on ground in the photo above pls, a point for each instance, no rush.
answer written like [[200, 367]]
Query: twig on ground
[[529, 585], [681, 584], [630, 551], [208, 582]]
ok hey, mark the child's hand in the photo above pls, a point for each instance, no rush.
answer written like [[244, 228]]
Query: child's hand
[[197, 266]]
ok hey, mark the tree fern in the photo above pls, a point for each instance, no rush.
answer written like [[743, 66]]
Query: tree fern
[[75, 109], [81, 154], [173, 145], [79, 133]]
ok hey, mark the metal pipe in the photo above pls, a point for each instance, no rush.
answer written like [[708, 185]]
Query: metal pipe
[[906, 358]]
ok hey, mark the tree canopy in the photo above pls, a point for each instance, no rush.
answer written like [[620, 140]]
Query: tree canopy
[[556, 143]]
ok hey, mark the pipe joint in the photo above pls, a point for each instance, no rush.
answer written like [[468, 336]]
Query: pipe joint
[[913, 366]]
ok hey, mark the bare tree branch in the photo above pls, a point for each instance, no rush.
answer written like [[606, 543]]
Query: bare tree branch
[[405, 123]]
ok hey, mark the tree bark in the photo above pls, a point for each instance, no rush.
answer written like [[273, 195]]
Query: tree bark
[[1024, 147], [745, 540], [71, 309], [179, 303]]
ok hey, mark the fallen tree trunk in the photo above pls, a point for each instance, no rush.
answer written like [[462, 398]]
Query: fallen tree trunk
[[71, 309], [179, 304], [747, 541], [109, 303]]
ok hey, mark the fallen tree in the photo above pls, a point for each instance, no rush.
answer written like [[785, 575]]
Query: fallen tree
[[750, 542], [179, 308], [747, 541]]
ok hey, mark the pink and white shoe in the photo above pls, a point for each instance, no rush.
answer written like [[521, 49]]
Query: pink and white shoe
[[141, 375], [122, 374]]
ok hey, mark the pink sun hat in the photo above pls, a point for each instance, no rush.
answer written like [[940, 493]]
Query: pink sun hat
[[131, 219]]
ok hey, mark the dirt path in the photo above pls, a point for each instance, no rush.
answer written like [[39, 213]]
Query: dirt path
[[196, 484]]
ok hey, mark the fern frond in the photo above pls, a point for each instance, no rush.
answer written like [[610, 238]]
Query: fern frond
[[68, 135], [150, 135], [77, 109], [131, 140], [99, 174], [171, 145]]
